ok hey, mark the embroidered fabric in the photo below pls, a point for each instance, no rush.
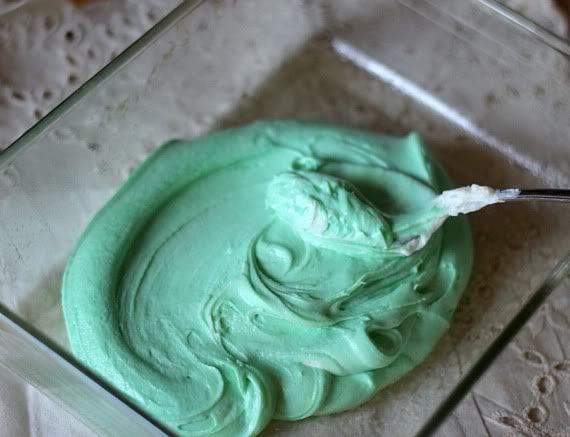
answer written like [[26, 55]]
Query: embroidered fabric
[[48, 48], [527, 390]]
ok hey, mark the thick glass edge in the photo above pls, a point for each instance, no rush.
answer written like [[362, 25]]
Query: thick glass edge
[[541, 34], [37, 341], [555, 278], [130, 53]]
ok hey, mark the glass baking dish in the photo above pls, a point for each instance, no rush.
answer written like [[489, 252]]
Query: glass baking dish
[[490, 98]]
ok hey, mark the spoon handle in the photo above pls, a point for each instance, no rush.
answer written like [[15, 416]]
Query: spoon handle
[[552, 195]]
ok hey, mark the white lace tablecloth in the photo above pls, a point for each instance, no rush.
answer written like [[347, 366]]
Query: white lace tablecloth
[[48, 51]]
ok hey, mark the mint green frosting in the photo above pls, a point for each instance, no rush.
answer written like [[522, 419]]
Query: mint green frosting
[[262, 273]]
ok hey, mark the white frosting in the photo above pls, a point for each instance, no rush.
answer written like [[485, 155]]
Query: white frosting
[[472, 198]]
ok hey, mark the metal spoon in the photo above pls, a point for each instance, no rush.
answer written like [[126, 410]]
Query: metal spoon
[[551, 195]]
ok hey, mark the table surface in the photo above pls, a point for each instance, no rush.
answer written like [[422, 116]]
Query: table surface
[[527, 390]]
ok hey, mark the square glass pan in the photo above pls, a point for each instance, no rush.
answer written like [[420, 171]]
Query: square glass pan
[[490, 98]]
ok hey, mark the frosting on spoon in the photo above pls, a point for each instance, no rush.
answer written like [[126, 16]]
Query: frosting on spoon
[[260, 273]]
